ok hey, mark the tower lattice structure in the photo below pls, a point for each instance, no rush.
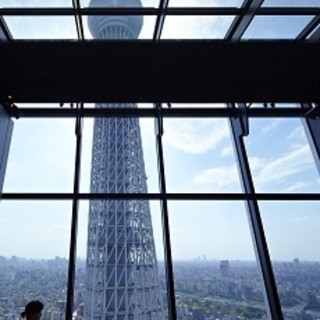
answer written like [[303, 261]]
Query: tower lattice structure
[[122, 274]]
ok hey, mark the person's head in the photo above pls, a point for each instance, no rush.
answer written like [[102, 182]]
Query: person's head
[[32, 310]]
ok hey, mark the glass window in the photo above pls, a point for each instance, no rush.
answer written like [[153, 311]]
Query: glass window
[[42, 156], [199, 156], [276, 27], [215, 271], [146, 31], [42, 27], [291, 3], [41, 105], [123, 154], [291, 230], [196, 105], [196, 27], [128, 4], [205, 3], [273, 105], [280, 157], [35, 3], [34, 250]]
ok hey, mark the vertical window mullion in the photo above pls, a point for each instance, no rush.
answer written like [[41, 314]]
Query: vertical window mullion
[[165, 218], [311, 125], [74, 219], [254, 217]]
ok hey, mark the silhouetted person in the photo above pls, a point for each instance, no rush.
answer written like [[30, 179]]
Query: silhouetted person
[[32, 310]]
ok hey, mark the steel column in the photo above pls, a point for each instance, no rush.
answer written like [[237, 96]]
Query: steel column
[[241, 22], [160, 20], [74, 219], [78, 19], [6, 129], [308, 29], [311, 127], [5, 33], [315, 36], [165, 218], [255, 221]]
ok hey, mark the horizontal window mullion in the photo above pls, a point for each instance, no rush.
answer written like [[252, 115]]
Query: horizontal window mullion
[[167, 196]]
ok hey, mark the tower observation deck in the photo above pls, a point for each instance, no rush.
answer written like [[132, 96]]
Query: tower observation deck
[[122, 275]]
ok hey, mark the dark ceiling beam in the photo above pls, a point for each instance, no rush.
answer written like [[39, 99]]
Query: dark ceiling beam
[[167, 71], [288, 11], [242, 21], [185, 112], [233, 11]]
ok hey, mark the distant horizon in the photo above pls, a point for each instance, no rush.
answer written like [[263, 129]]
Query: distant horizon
[[196, 259]]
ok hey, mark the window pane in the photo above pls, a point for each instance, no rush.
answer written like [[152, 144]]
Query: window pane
[[117, 268], [276, 27], [196, 27], [215, 271], [124, 156], [199, 156], [274, 105], [35, 3], [291, 3], [38, 161], [103, 3], [280, 157], [38, 27], [34, 249], [205, 3], [145, 33], [197, 105], [41, 157], [41, 105], [292, 232]]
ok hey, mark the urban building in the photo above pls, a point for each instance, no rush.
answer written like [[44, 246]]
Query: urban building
[[225, 268]]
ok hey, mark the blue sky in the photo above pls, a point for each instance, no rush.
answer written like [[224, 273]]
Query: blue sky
[[198, 156]]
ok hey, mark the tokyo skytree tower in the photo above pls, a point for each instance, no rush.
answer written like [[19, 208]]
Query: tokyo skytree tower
[[122, 274]]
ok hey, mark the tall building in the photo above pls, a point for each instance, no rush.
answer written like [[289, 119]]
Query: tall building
[[225, 268], [122, 275]]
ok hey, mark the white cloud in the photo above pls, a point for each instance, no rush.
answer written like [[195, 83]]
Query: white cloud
[[296, 134], [268, 173], [282, 168], [298, 186], [219, 176], [227, 151], [271, 126], [297, 138], [195, 136], [299, 219], [256, 163]]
